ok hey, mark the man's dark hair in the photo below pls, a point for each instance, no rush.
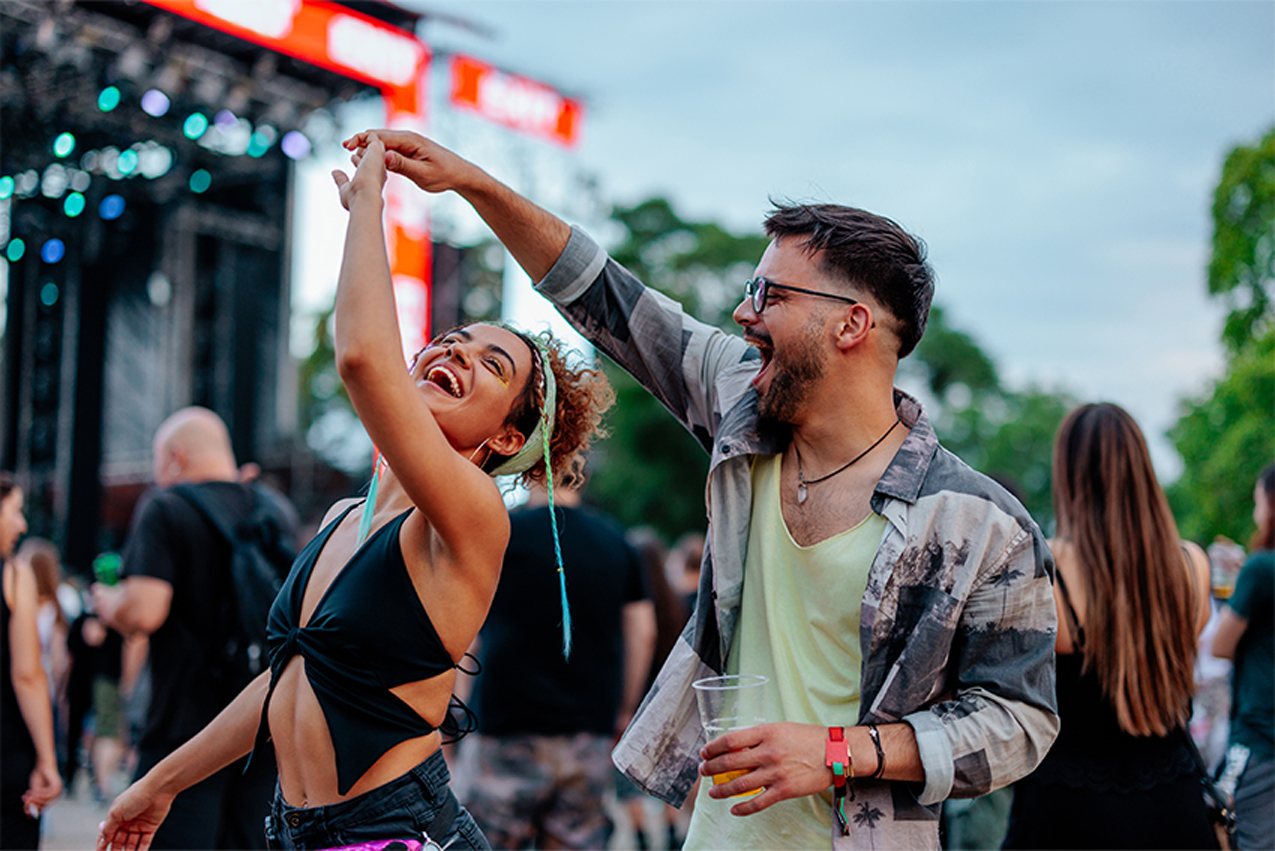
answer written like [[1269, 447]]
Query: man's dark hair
[[867, 251]]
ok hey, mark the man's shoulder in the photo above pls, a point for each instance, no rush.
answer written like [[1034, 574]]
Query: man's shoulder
[[958, 487]]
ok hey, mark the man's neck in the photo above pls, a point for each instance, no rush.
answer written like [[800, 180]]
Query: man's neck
[[839, 423]]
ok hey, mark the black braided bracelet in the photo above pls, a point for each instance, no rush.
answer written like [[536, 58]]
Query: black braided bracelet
[[875, 735]]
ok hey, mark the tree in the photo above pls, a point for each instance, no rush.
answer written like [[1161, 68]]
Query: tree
[[650, 471], [1225, 438], [1243, 262], [1227, 435], [1006, 433]]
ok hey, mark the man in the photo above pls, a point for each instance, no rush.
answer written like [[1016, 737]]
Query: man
[[900, 602], [537, 771], [177, 590]]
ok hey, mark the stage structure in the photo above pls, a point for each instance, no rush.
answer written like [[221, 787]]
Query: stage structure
[[146, 161]]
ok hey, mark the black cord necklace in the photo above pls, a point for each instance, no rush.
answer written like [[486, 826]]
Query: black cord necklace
[[802, 481]]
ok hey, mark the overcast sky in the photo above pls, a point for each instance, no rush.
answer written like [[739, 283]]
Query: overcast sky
[[1058, 158]]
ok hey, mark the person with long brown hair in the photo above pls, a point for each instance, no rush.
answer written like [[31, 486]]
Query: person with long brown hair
[[1132, 600], [1246, 633], [29, 781]]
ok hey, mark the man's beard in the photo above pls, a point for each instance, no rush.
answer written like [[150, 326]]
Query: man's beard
[[793, 377]]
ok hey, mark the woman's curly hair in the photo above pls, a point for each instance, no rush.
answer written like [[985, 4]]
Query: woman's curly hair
[[583, 396]]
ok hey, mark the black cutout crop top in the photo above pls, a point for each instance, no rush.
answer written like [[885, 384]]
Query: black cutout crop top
[[368, 633]]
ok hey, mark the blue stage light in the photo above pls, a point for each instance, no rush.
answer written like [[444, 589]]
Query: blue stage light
[[112, 207], [52, 251]]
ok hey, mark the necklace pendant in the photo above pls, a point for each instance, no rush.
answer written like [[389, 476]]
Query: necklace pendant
[[801, 493]]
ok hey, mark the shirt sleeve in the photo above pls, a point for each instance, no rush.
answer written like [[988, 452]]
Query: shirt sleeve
[[1254, 589], [637, 586], [150, 550], [673, 355]]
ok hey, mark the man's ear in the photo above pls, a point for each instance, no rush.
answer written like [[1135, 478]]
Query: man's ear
[[854, 325], [507, 441]]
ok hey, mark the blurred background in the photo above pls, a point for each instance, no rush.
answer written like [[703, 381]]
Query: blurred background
[[1095, 182]]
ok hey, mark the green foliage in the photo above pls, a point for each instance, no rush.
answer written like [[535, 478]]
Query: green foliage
[[1225, 437], [1005, 433], [699, 264], [650, 471], [1243, 263]]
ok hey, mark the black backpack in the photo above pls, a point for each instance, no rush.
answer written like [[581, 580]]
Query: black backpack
[[261, 554]]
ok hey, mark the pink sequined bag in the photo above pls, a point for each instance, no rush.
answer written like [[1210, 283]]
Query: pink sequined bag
[[392, 845]]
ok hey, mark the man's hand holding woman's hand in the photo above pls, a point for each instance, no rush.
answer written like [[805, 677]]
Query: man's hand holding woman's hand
[[423, 161]]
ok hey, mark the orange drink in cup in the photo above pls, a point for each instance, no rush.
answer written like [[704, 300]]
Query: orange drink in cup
[[728, 703]]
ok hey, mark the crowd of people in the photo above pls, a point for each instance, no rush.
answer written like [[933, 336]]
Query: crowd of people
[[439, 669]]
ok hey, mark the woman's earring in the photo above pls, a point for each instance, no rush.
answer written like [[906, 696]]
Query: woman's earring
[[479, 449]]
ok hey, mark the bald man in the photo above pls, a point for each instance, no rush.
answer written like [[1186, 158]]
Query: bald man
[[177, 591]]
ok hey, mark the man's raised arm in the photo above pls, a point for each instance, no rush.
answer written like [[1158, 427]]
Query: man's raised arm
[[533, 235]]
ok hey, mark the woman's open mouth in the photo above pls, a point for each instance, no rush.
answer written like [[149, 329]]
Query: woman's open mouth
[[446, 380]]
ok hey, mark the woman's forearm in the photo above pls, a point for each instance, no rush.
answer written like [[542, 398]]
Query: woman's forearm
[[366, 323], [227, 737], [32, 691]]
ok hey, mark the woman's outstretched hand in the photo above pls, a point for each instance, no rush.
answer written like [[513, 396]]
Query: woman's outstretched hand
[[369, 172], [134, 817], [423, 161]]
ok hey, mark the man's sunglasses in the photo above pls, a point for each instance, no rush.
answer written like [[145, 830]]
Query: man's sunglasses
[[756, 289]]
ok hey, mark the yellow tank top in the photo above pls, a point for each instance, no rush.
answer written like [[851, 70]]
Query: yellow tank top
[[798, 626]]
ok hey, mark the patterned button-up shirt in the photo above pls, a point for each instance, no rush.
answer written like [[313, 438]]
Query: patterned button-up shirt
[[958, 619]]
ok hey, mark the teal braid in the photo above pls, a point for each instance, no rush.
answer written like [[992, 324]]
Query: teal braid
[[369, 504], [526, 457]]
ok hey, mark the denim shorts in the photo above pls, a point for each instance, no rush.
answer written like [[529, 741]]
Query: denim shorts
[[404, 808]]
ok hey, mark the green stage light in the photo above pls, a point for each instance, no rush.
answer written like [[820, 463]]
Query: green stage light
[[127, 163], [74, 205], [195, 125], [49, 294], [64, 144], [108, 99], [200, 181], [6, 188], [15, 250]]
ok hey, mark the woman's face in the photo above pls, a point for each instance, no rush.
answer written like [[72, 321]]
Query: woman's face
[[13, 524], [471, 378]]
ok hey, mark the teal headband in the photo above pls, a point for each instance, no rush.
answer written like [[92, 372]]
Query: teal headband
[[537, 443]]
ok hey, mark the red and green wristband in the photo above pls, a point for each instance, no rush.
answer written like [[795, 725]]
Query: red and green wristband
[[837, 757]]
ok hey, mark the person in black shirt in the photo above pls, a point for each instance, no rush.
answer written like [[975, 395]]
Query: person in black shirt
[[540, 767], [175, 590]]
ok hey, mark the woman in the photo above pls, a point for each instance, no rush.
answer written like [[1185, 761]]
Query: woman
[[51, 624], [29, 779], [1132, 600], [1246, 634], [377, 611]]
